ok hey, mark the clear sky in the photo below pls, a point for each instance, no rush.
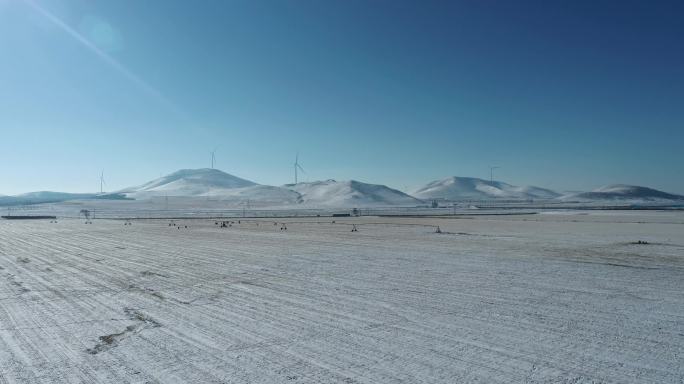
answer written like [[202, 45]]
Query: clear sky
[[569, 95]]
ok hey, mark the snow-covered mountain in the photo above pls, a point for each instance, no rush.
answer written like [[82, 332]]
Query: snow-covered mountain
[[212, 183], [624, 192], [189, 182], [218, 185], [197, 185], [471, 188], [331, 193]]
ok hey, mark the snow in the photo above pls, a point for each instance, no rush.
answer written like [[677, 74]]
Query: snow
[[471, 188], [524, 299], [331, 193]]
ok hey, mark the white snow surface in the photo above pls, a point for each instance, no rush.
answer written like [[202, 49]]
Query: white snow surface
[[507, 299], [471, 188], [352, 193]]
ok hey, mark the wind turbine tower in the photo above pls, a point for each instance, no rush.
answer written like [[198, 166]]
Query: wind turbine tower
[[102, 182], [213, 157], [491, 172], [297, 167]]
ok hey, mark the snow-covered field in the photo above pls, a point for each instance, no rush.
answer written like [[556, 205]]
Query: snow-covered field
[[555, 298]]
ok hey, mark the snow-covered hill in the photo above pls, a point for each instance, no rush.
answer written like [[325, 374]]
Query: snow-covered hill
[[331, 193], [44, 197], [212, 183], [624, 192], [49, 195], [189, 182], [471, 188]]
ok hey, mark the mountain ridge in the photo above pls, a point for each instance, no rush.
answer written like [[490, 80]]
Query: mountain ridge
[[221, 186]]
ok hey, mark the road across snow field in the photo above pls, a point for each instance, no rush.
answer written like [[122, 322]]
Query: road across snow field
[[553, 298]]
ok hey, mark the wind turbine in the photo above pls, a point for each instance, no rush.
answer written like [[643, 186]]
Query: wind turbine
[[491, 172], [102, 182], [297, 167], [213, 157]]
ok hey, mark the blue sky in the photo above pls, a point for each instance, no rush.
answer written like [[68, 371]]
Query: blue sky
[[568, 95]]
